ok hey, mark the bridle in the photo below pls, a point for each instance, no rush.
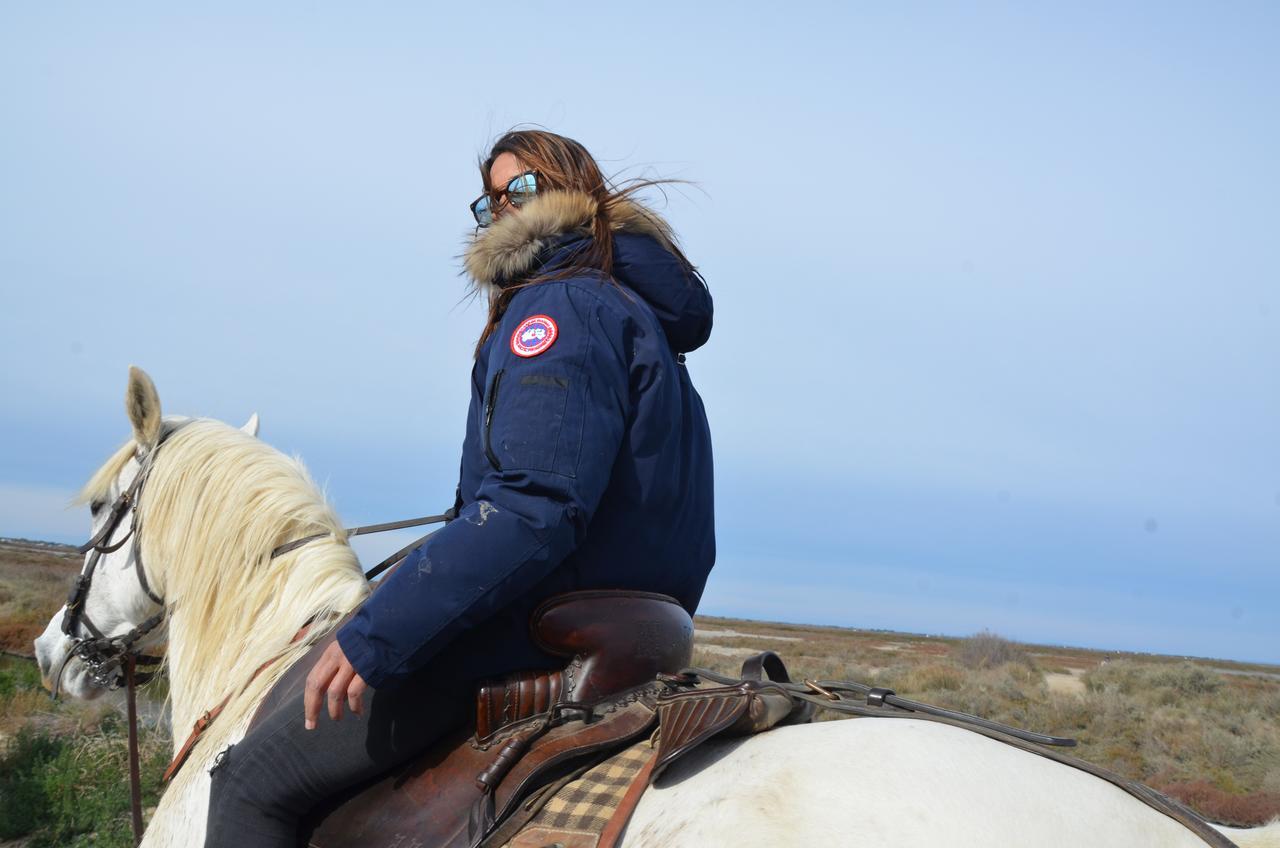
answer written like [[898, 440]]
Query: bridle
[[110, 659]]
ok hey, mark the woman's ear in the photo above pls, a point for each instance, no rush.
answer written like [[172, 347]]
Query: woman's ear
[[142, 404]]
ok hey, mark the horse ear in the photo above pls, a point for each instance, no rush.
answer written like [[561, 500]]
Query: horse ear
[[142, 403], [251, 426]]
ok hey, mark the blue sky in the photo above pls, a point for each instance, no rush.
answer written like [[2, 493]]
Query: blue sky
[[997, 286]]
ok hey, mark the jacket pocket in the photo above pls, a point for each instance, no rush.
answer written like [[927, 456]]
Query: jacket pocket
[[488, 420], [533, 421]]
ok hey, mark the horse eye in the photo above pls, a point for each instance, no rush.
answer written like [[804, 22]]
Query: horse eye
[[95, 507]]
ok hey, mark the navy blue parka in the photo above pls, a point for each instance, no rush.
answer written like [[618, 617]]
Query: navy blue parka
[[587, 457]]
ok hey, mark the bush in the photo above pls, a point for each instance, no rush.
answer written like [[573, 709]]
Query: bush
[[74, 791], [23, 805], [932, 677], [987, 650], [18, 676], [1223, 807], [1158, 684], [1187, 679]]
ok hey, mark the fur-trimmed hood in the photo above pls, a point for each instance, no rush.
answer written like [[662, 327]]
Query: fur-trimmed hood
[[552, 225]]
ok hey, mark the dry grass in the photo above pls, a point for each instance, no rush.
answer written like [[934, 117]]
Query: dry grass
[[1204, 731], [34, 579], [987, 650]]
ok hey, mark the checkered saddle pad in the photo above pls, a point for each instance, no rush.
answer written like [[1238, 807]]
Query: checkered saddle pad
[[572, 812]]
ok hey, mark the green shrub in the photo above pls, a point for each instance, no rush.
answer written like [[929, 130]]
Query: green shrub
[[16, 676], [1186, 679], [60, 791], [23, 805]]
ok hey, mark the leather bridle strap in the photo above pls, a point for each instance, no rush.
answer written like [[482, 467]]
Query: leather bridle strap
[[135, 770], [361, 531], [833, 695], [404, 552], [206, 719], [118, 509]]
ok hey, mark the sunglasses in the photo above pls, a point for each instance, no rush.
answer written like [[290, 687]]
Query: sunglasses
[[518, 192]]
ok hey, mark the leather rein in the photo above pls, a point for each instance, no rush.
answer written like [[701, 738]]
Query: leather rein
[[114, 661]]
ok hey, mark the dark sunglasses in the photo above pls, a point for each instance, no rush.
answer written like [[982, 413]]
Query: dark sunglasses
[[518, 192]]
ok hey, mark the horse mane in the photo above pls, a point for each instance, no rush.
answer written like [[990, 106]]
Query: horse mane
[[99, 485], [217, 502]]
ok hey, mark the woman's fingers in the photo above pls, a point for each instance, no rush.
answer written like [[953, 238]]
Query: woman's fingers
[[332, 680], [338, 689], [355, 693], [317, 683]]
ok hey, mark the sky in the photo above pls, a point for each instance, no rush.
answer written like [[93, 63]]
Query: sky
[[997, 285]]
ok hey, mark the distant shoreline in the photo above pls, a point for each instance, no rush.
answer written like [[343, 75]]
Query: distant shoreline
[[1230, 666]]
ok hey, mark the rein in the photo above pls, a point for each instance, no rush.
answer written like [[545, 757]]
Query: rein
[[113, 661]]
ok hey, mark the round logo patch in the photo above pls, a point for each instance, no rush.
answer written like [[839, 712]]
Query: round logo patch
[[534, 335]]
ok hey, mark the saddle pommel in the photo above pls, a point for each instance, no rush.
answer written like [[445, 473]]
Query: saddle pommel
[[618, 639]]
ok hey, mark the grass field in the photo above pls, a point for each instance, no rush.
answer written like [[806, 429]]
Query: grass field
[[1205, 731]]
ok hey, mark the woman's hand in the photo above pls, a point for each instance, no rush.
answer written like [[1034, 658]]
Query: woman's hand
[[332, 679]]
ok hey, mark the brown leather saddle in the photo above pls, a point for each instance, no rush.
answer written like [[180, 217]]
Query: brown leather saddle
[[531, 728]]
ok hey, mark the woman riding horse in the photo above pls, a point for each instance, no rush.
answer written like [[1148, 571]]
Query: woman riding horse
[[586, 465]]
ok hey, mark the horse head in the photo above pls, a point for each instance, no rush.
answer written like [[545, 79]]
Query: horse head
[[115, 607]]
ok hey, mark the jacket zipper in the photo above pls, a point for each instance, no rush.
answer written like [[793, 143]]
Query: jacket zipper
[[488, 419]]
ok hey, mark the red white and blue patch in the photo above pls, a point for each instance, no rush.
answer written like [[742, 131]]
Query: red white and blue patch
[[534, 335]]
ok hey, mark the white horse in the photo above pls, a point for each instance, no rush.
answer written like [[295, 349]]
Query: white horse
[[216, 503]]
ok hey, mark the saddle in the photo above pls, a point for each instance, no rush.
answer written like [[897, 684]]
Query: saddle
[[623, 650]]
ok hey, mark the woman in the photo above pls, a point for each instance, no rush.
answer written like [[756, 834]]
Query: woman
[[586, 465]]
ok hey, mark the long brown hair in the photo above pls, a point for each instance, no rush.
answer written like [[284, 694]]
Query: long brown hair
[[563, 164]]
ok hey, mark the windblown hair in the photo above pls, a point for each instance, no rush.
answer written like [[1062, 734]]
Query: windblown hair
[[565, 165], [217, 502], [99, 486]]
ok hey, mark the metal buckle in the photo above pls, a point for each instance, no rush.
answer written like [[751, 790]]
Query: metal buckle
[[826, 693]]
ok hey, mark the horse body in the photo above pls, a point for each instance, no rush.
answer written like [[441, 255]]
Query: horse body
[[899, 782], [217, 503]]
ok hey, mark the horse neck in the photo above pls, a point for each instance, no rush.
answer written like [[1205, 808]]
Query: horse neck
[[218, 502], [217, 648]]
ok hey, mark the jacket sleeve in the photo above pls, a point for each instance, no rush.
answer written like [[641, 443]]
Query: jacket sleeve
[[550, 427]]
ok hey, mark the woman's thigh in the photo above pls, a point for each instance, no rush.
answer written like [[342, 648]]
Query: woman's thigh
[[280, 770]]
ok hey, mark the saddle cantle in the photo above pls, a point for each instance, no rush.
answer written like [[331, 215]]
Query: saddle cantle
[[529, 728], [614, 641]]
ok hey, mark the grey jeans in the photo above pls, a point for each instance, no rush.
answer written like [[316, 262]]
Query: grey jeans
[[264, 785]]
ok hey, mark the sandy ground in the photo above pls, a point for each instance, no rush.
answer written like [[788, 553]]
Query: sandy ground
[[722, 651], [731, 634], [1066, 684], [894, 646]]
